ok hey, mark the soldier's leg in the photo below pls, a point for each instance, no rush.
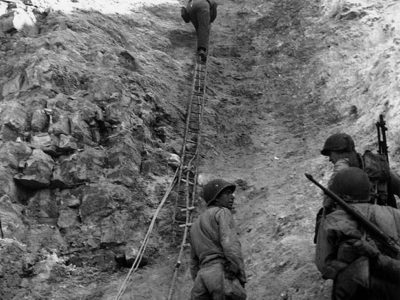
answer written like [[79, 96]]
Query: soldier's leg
[[199, 290], [213, 278], [203, 31]]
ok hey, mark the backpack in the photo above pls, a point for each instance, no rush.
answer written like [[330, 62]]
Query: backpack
[[377, 168]]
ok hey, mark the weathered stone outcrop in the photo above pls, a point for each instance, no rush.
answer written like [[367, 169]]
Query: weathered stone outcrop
[[85, 132], [37, 170]]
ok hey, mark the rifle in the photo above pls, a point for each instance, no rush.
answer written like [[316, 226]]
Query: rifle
[[383, 151], [392, 245], [382, 142]]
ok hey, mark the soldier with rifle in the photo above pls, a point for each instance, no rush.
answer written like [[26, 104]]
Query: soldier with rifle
[[340, 149], [358, 244], [385, 183]]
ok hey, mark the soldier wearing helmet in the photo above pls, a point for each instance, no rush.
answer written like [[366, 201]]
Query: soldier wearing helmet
[[340, 149], [216, 256], [359, 266]]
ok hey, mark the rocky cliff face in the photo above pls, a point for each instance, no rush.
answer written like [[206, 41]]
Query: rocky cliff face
[[88, 120], [92, 104]]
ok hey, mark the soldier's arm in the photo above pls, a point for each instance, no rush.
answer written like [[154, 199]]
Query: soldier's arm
[[230, 243], [387, 267], [384, 266]]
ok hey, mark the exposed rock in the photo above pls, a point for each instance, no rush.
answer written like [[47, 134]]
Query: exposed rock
[[39, 121], [7, 184], [60, 124], [6, 23], [68, 217], [80, 129], [125, 175], [45, 142], [44, 237], [43, 207], [37, 171], [101, 200], [123, 150], [66, 144], [79, 167], [13, 120], [11, 252], [174, 160], [69, 199], [11, 219], [13, 153]]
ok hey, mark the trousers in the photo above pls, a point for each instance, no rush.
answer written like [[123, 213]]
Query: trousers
[[199, 12]]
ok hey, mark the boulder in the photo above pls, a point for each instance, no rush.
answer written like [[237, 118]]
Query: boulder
[[60, 124], [13, 120], [79, 168], [174, 160], [37, 171], [45, 142], [11, 219], [13, 153], [39, 120], [69, 199], [67, 143], [80, 129]]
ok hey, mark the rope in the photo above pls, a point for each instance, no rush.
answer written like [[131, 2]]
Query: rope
[[139, 257]]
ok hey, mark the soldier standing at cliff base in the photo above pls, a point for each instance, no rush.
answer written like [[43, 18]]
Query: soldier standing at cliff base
[[340, 149], [201, 13], [217, 266], [361, 266]]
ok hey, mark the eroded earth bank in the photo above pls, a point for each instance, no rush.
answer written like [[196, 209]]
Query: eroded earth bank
[[93, 99]]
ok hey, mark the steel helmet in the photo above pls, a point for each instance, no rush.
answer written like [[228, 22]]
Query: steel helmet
[[214, 187], [339, 142], [352, 182]]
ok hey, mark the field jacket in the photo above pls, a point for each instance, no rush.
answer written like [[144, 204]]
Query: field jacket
[[214, 238]]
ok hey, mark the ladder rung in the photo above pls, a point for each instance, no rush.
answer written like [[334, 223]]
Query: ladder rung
[[186, 245], [187, 208], [186, 225], [184, 180]]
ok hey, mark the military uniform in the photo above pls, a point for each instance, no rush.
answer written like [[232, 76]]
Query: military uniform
[[214, 246], [201, 13], [358, 275]]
